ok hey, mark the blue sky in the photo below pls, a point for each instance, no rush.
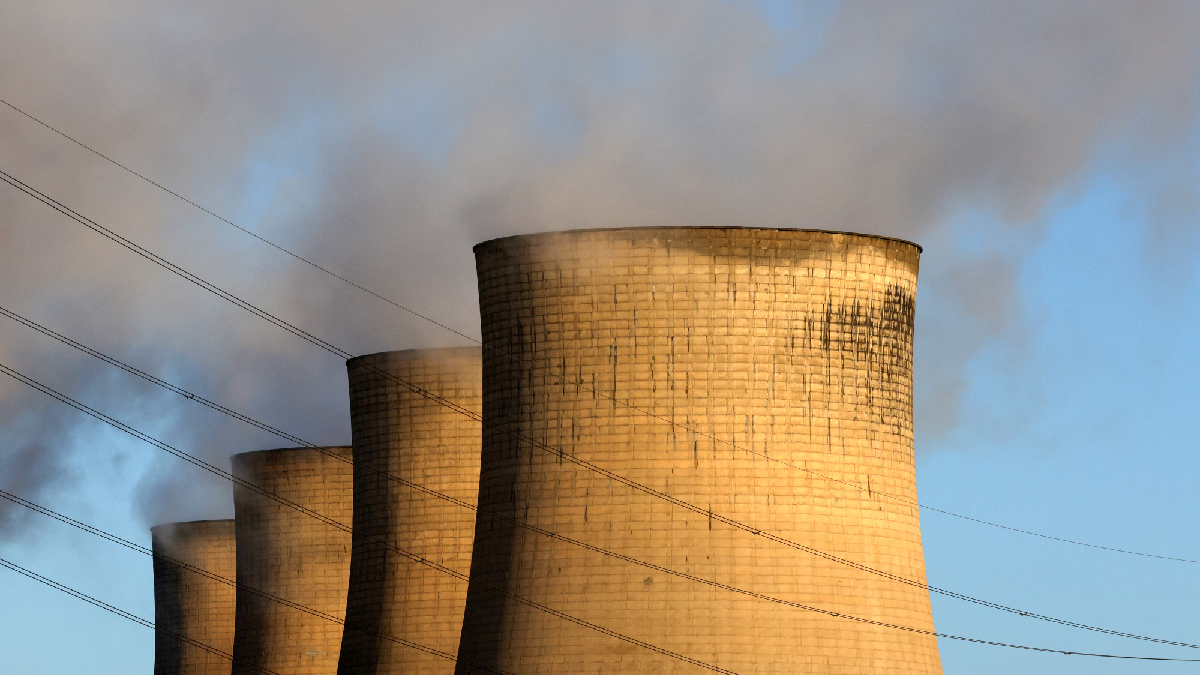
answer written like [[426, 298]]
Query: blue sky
[[1088, 437], [1055, 198]]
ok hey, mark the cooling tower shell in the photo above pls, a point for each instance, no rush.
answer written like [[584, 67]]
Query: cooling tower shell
[[727, 367], [190, 604], [287, 554], [400, 433]]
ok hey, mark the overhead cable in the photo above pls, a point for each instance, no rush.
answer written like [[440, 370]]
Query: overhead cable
[[578, 384], [127, 615], [555, 451], [429, 491], [36, 508], [142, 549], [414, 557]]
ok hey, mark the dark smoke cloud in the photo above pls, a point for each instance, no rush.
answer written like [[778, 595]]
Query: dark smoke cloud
[[384, 139]]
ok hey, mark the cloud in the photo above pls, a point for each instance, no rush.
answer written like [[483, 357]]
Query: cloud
[[383, 139]]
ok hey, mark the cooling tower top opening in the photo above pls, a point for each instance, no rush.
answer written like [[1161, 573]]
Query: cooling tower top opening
[[175, 534], [165, 529], [285, 453], [682, 229], [424, 354]]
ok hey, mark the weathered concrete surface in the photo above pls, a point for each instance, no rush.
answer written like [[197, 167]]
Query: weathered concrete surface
[[190, 604], [285, 553], [792, 345], [401, 433]]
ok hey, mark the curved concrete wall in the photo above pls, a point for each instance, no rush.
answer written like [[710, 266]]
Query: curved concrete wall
[[190, 604], [285, 553], [792, 344], [404, 434]]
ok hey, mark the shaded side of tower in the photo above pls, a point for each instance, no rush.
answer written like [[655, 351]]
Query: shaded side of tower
[[189, 604], [285, 553], [402, 438]]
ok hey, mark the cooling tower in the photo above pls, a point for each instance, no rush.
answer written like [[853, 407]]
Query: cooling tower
[[648, 352], [400, 433], [285, 553], [190, 604]]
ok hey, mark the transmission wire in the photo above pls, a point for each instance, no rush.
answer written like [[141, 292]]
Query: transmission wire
[[557, 452], [574, 383], [229, 582], [142, 549], [421, 488], [414, 557], [127, 615]]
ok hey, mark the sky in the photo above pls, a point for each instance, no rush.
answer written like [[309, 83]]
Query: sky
[[1044, 154]]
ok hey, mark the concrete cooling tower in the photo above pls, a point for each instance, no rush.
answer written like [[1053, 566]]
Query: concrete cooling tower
[[190, 604], [285, 553], [406, 435], [652, 353]]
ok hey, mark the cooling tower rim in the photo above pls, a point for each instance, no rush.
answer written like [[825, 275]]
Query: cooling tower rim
[[247, 456], [418, 353], [650, 228], [202, 521], [156, 530]]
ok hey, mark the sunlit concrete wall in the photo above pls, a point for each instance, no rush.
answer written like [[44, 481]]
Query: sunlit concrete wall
[[794, 346], [285, 553], [399, 433], [190, 604]]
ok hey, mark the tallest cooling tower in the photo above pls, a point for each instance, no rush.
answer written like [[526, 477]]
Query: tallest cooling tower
[[763, 376]]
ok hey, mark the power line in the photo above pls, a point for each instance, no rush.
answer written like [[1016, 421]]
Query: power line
[[142, 549], [557, 452], [264, 240], [166, 385], [415, 486], [127, 615], [229, 582], [196, 461], [421, 488], [581, 385], [168, 265]]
